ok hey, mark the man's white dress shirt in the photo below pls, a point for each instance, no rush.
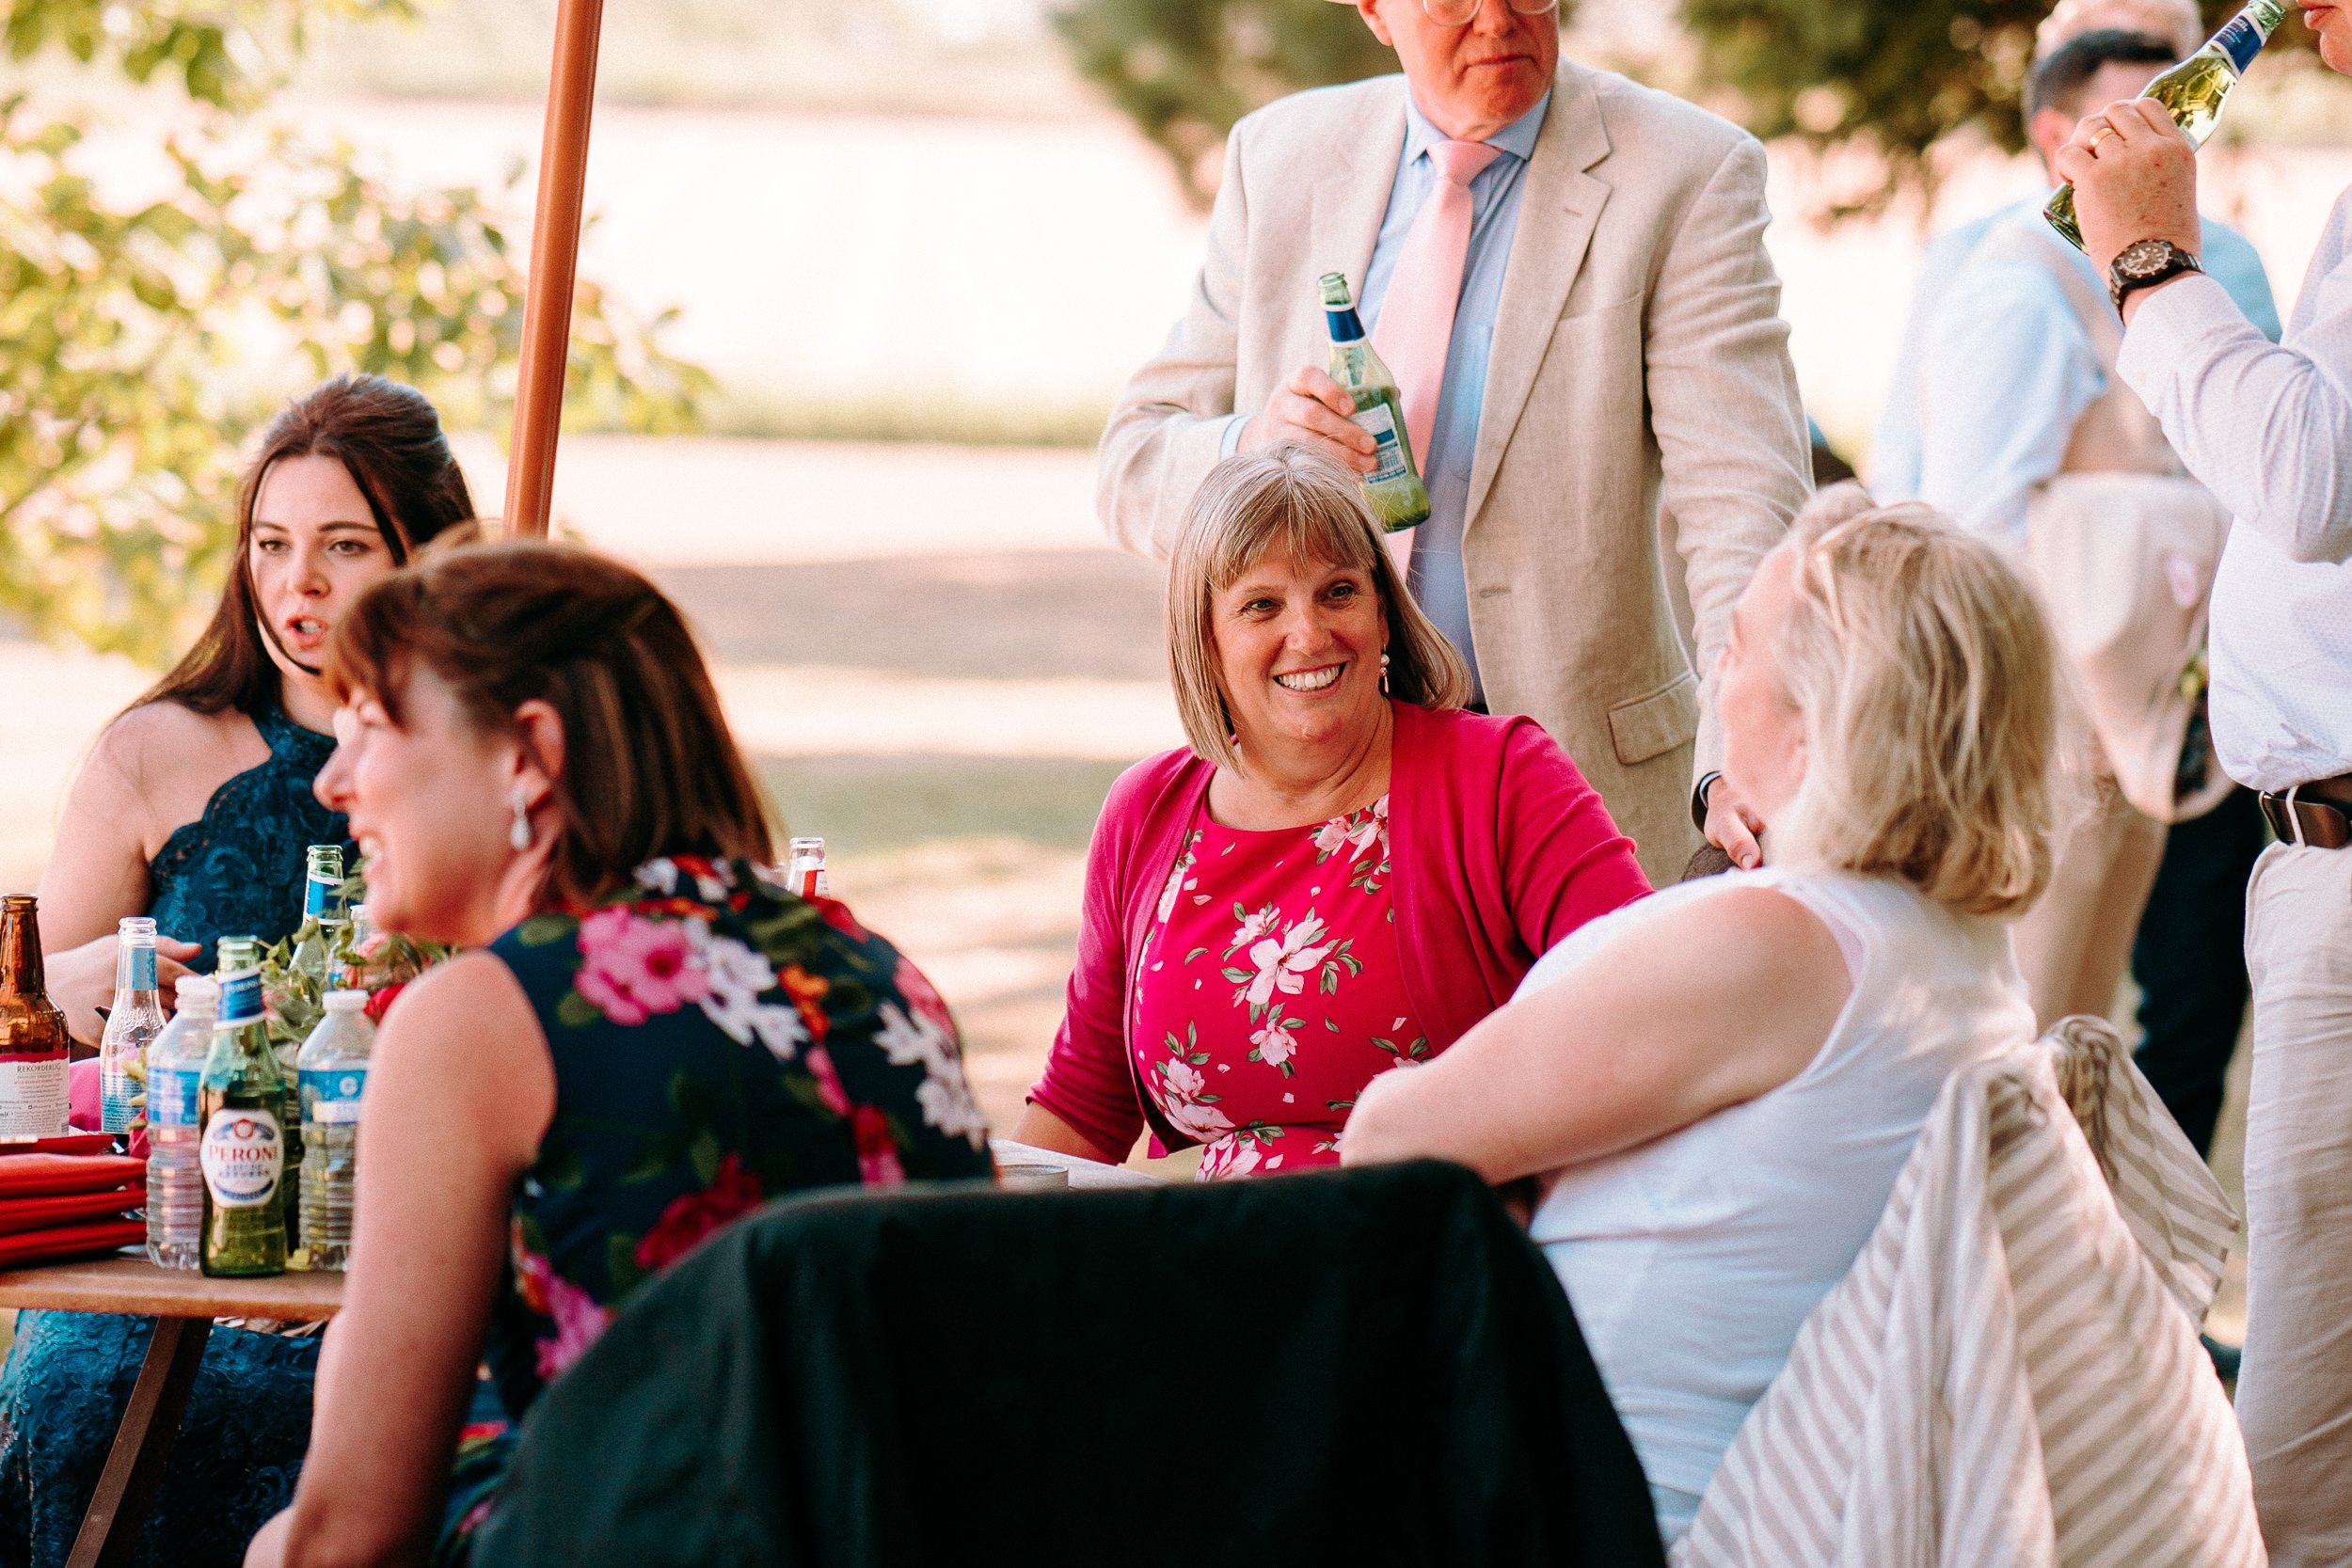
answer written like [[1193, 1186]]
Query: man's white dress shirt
[[2269, 430]]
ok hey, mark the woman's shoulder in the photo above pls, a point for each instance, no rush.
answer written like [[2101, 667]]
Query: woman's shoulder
[[154, 737], [1495, 740]]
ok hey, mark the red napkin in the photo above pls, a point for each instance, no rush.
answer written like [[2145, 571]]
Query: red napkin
[[61, 1242], [38, 1175], [18, 1214], [73, 1143]]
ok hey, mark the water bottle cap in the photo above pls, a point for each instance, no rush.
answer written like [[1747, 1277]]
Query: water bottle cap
[[346, 1001], [196, 987]]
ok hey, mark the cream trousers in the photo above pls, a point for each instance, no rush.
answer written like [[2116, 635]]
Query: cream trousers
[[2294, 1398]]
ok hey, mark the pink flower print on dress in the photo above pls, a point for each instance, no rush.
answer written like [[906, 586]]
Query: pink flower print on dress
[[1284, 965], [819, 1064], [1182, 1093], [577, 1317], [922, 995], [876, 1150], [1253, 927], [631, 968]]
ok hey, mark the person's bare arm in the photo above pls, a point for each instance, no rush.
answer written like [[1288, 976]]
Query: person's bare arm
[[96, 874], [460, 1092], [1042, 1129], [1690, 1011]]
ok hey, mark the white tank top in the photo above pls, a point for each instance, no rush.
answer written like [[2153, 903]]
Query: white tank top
[[1693, 1260]]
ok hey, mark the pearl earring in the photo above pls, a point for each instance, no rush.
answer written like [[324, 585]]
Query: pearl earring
[[519, 834]]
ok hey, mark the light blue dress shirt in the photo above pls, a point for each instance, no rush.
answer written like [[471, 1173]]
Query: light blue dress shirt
[[1438, 582], [2013, 373]]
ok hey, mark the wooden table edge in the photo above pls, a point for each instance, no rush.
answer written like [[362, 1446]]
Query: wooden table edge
[[137, 1287]]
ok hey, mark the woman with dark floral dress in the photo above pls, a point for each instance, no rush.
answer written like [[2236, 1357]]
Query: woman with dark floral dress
[[657, 1039]]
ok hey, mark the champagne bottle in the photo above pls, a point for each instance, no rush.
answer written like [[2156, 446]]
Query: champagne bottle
[[34, 1045], [1399, 499], [2193, 92], [242, 1096]]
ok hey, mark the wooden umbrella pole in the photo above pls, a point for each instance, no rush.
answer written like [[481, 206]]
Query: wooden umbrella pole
[[554, 260]]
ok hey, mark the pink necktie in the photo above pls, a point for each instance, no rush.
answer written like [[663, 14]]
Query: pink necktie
[[1417, 317]]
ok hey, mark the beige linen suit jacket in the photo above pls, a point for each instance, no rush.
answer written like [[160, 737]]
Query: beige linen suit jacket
[[1639, 403]]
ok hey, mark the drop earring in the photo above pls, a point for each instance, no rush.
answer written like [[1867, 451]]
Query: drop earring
[[519, 834], [1384, 672]]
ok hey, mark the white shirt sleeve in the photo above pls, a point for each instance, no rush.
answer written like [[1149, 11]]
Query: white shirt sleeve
[[2266, 428]]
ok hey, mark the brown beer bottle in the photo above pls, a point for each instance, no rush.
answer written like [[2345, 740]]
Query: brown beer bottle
[[35, 1102]]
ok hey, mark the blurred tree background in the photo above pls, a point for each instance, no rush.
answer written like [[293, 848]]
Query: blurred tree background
[[1893, 76], [142, 340]]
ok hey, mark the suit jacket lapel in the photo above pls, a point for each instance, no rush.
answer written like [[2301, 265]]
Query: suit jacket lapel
[[1559, 206], [1351, 201]]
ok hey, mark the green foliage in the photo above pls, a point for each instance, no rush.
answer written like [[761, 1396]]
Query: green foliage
[[142, 342], [1894, 75], [1185, 70]]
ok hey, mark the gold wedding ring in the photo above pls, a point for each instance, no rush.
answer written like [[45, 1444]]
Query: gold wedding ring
[[2104, 132]]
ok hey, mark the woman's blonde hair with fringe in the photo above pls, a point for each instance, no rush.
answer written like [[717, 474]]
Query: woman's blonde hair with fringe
[[1286, 501], [1927, 677]]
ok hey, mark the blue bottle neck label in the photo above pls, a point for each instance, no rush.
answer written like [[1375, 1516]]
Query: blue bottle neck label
[[240, 999], [137, 969], [318, 897], [1346, 326], [2241, 40]]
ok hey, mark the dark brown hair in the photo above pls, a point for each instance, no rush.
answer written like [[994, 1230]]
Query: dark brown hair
[[389, 439], [649, 766]]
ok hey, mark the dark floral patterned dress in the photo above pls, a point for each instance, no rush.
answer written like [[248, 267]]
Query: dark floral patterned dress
[[718, 1042]]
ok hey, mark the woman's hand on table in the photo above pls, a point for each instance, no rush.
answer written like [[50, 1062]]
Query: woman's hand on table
[[81, 980]]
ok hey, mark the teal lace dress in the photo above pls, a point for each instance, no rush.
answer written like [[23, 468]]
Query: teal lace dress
[[238, 869], [718, 1042]]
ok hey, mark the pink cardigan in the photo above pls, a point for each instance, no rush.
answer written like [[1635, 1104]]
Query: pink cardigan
[[1501, 848]]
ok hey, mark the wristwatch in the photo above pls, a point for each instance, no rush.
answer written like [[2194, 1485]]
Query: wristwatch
[[1698, 800], [2145, 264]]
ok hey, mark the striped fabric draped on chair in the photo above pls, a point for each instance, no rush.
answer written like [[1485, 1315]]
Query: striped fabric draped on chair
[[2010, 1374]]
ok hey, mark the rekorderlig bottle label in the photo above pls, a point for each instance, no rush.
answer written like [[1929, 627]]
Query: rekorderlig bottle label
[[35, 1099], [171, 1097], [243, 1155], [331, 1095]]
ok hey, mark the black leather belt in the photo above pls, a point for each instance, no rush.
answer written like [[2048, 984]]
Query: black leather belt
[[2317, 816]]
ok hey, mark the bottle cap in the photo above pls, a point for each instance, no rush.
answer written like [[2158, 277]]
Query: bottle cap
[[195, 989], [346, 1001]]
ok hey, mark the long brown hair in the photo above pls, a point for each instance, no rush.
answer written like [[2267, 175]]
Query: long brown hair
[[649, 766], [388, 438]]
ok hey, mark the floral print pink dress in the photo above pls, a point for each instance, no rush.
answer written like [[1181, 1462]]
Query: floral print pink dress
[[1273, 989]]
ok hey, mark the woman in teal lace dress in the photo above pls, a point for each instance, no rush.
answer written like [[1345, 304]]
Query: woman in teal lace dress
[[195, 807], [657, 1039]]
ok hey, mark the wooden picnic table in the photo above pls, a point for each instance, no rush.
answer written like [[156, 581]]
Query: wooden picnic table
[[184, 1305]]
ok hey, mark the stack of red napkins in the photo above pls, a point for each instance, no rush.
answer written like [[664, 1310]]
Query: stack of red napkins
[[53, 1207]]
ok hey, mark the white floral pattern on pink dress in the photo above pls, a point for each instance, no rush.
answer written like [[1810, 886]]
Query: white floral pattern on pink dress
[[1273, 990]]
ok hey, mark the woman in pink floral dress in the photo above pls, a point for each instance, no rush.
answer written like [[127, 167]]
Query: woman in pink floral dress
[[1341, 875]]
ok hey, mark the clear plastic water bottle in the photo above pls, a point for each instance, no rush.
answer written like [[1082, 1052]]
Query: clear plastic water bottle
[[175, 1127], [135, 1018], [334, 1069]]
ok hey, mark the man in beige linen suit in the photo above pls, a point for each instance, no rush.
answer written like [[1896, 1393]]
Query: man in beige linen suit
[[1617, 384]]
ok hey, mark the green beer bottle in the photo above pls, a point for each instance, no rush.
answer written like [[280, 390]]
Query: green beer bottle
[[323, 917], [242, 1096], [1398, 498], [2194, 92]]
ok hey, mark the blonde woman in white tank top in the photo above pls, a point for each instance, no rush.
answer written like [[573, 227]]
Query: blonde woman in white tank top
[[1717, 1085]]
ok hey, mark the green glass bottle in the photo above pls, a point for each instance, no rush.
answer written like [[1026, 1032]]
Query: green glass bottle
[[2193, 92], [1399, 499], [323, 915], [242, 1097]]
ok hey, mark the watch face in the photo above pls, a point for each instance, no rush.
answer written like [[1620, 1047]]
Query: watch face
[[2144, 258]]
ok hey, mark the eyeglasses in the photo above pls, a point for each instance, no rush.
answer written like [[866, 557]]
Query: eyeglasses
[[1458, 13]]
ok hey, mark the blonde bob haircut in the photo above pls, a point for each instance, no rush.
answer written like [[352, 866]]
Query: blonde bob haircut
[[1286, 501], [1927, 676]]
